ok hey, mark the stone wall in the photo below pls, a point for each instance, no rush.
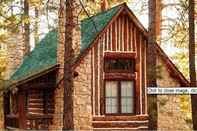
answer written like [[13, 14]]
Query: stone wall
[[170, 114], [15, 53], [82, 95]]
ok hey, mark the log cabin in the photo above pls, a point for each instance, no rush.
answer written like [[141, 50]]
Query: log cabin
[[110, 81]]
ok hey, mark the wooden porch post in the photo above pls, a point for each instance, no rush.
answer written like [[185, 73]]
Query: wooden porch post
[[22, 111]]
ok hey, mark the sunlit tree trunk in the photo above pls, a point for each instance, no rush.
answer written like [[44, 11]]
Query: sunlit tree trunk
[[192, 71], [26, 28], [154, 36], [72, 50], [36, 26]]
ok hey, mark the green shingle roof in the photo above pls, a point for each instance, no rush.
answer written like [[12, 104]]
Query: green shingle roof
[[42, 57], [44, 54]]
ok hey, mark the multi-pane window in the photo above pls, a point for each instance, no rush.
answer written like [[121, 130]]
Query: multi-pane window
[[119, 65], [127, 97], [111, 97], [119, 97], [119, 85]]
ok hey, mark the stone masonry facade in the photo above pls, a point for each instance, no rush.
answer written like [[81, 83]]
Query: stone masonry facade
[[15, 53], [170, 115], [82, 95]]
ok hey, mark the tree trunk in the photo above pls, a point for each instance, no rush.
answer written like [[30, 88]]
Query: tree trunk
[[36, 26], [154, 36], [192, 71], [72, 50], [68, 78], [26, 28]]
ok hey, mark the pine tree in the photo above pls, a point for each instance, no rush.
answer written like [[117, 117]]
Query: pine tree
[[154, 36], [26, 27], [192, 71]]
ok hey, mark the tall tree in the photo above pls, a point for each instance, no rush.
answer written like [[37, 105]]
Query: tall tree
[[72, 49], [36, 25], [26, 27], [192, 71], [154, 36]]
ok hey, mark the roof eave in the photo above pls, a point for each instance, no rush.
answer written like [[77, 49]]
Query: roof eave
[[33, 76]]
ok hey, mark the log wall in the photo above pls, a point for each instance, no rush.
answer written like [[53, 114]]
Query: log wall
[[121, 36]]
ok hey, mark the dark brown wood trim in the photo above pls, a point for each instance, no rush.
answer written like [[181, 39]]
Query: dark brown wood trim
[[130, 42], [92, 82], [118, 33], [121, 118], [38, 116], [113, 37], [22, 112], [119, 97], [38, 85], [137, 67], [102, 95], [120, 76], [34, 76], [96, 78], [126, 124], [120, 55], [109, 36], [143, 75], [121, 33], [125, 34]]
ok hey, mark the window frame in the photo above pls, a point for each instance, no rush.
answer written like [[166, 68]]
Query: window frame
[[131, 71], [121, 76], [119, 112]]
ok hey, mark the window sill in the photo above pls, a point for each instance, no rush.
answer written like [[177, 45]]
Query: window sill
[[121, 117]]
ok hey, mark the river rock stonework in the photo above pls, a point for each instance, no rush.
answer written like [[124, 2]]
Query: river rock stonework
[[15, 53], [170, 115], [82, 95]]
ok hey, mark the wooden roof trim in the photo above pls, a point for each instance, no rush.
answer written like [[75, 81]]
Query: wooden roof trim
[[171, 66], [34, 76]]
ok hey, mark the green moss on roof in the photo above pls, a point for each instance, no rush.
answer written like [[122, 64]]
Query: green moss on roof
[[44, 55]]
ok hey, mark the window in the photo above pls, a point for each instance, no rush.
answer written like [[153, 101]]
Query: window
[[111, 97], [127, 97], [120, 79], [119, 97], [119, 65]]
